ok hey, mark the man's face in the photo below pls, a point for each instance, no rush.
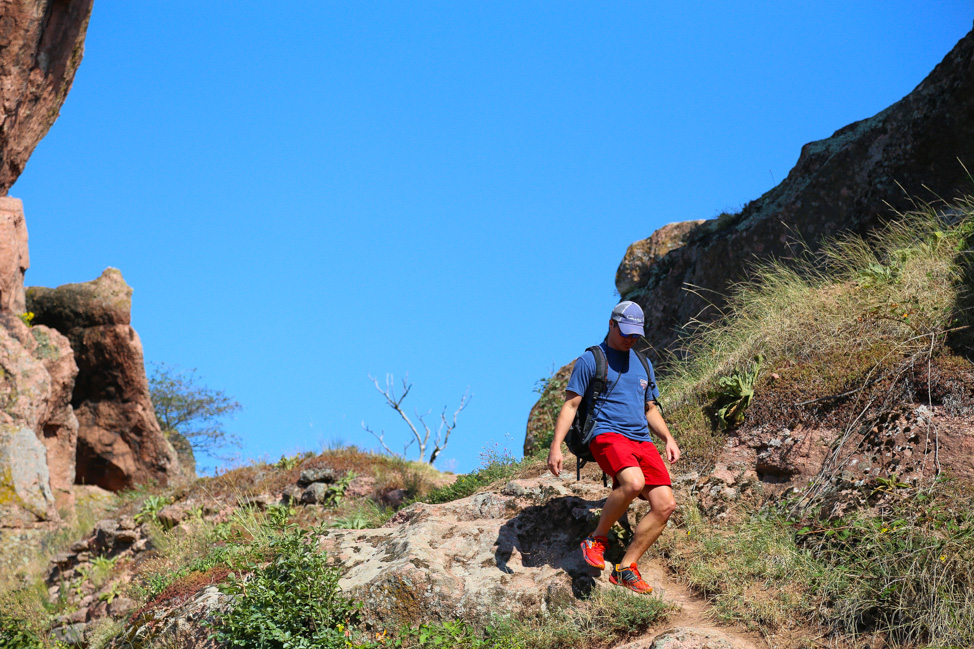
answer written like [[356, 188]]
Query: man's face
[[618, 340]]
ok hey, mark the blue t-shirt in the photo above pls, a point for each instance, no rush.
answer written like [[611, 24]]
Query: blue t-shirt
[[622, 406]]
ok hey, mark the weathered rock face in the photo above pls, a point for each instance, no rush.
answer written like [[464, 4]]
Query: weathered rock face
[[119, 440], [641, 255], [41, 45], [841, 183], [915, 443], [512, 551], [38, 431], [14, 258]]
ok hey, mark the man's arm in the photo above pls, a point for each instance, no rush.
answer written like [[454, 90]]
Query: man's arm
[[656, 424], [565, 419]]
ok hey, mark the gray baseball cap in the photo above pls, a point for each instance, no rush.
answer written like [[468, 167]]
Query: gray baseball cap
[[629, 315]]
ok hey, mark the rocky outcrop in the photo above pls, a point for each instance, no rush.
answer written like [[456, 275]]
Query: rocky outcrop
[[513, 550], [38, 430], [41, 45], [913, 444], [641, 255], [914, 148], [119, 440]]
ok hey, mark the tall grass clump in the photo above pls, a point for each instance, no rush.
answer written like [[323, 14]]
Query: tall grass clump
[[905, 573], [893, 296]]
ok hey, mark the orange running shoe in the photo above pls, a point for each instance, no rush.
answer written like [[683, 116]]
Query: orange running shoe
[[593, 551], [630, 578]]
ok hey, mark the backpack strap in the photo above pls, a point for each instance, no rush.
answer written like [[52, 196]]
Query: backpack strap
[[595, 390], [652, 386]]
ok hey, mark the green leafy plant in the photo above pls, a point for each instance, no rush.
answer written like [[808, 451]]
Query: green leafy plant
[[101, 569], [734, 393], [293, 600], [151, 507], [286, 463], [336, 490], [15, 634], [114, 590]]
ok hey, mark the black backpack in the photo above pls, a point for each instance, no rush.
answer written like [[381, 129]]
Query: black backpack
[[580, 433]]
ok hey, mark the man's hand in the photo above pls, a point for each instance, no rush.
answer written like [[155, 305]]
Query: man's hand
[[672, 450], [555, 460]]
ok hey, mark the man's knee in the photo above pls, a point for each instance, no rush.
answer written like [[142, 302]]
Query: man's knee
[[661, 501], [631, 481], [666, 508]]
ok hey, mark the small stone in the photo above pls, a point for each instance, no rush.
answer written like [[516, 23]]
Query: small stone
[[513, 489], [98, 610], [81, 615], [394, 497], [126, 523], [79, 546], [315, 494], [127, 537], [73, 635], [63, 560], [121, 606], [292, 494], [261, 502], [172, 515], [105, 532], [325, 474]]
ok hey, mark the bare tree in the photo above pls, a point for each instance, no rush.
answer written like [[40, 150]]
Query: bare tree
[[421, 438]]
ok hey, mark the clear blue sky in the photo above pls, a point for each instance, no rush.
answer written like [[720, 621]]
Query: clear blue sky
[[304, 193]]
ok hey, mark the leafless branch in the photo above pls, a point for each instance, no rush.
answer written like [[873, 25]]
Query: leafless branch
[[441, 439], [380, 436], [422, 439]]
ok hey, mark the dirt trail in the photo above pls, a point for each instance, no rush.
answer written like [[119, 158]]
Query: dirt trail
[[693, 614]]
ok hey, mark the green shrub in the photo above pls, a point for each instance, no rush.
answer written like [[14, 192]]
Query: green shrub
[[15, 634], [291, 601], [733, 394]]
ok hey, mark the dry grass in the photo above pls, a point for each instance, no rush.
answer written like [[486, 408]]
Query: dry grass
[[862, 307]]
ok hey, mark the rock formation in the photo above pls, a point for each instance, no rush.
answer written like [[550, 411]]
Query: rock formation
[[43, 406], [914, 148], [38, 430], [14, 257], [41, 45], [119, 440]]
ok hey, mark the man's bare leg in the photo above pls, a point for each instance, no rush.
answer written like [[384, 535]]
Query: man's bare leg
[[630, 482], [651, 526]]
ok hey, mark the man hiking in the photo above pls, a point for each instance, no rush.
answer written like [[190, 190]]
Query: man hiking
[[623, 416]]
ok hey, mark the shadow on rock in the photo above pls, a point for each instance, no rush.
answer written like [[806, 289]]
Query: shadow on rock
[[549, 534]]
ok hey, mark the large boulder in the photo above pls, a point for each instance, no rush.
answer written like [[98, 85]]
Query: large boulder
[[119, 440], [512, 551], [38, 430], [41, 45], [915, 148], [14, 257]]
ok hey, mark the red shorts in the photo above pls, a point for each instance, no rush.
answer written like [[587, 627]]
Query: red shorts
[[615, 452]]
